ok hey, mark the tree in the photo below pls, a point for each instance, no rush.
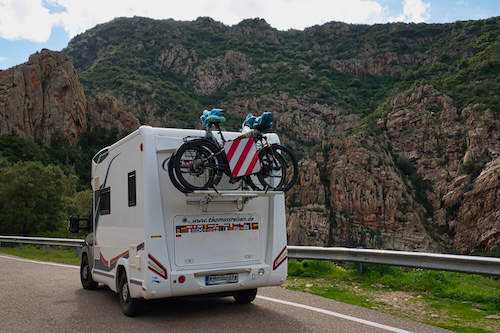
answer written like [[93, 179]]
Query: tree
[[80, 203], [32, 197]]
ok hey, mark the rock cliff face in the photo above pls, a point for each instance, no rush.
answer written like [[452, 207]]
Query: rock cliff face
[[478, 218], [445, 145], [308, 209], [104, 111], [364, 200], [300, 120], [206, 76], [425, 178], [44, 97]]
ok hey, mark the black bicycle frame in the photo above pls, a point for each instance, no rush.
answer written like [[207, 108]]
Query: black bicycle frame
[[209, 136]]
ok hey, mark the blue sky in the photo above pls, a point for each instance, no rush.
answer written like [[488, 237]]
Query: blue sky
[[445, 11], [27, 26]]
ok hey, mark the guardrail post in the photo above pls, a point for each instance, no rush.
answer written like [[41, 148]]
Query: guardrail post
[[78, 251], [20, 246], [47, 249], [359, 266]]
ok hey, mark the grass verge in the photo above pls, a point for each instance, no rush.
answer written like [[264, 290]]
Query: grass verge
[[455, 301], [59, 254]]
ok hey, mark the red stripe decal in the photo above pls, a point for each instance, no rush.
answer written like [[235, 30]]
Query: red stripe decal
[[104, 261], [164, 274], [232, 149], [113, 260], [252, 164], [160, 274], [118, 257], [242, 158], [277, 264]]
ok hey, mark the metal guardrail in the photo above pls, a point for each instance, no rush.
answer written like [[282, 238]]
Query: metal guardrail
[[42, 241], [446, 262]]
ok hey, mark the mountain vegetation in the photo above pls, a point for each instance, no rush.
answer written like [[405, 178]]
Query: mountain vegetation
[[178, 68], [396, 125]]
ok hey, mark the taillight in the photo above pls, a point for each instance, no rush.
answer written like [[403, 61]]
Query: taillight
[[181, 279]]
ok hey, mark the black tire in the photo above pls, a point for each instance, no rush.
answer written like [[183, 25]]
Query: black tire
[[272, 174], [86, 276], [130, 306], [171, 174], [204, 167], [292, 166], [245, 296]]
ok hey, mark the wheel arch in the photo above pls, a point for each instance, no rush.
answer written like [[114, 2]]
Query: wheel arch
[[88, 251]]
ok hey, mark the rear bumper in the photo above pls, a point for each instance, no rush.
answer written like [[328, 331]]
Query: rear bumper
[[195, 284]]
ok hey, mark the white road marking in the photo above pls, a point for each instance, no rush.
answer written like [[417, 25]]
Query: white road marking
[[297, 305], [39, 262], [335, 314]]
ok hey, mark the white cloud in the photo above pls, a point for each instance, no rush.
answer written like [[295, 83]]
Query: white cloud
[[281, 14], [413, 11], [2, 59], [29, 19], [25, 19]]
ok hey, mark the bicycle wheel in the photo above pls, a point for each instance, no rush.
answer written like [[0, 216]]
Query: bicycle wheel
[[272, 174], [196, 165], [173, 179], [291, 165]]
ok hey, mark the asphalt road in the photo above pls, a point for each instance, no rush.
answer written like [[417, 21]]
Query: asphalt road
[[45, 297]]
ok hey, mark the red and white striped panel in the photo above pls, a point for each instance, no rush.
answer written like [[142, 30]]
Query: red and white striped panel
[[242, 156]]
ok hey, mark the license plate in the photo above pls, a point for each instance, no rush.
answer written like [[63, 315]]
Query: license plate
[[211, 280]]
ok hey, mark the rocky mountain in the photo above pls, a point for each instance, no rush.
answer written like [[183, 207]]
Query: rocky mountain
[[395, 125], [425, 177], [44, 98]]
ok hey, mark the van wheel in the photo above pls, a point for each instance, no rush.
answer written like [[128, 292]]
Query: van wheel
[[86, 276], [130, 306], [245, 296]]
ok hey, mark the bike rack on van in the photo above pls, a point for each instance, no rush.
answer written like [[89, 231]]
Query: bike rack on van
[[239, 198]]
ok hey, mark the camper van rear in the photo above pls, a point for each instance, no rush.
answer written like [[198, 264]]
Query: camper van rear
[[149, 240]]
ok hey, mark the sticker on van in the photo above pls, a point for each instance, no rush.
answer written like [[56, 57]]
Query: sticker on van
[[215, 223]]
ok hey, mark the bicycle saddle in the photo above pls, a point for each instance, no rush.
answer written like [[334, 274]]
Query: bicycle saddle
[[262, 123], [215, 116]]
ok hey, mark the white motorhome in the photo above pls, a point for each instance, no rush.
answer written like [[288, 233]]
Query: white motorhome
[[148, 240]]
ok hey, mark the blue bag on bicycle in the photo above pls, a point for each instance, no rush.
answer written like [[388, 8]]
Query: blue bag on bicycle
[[215, 116], [262, 123]]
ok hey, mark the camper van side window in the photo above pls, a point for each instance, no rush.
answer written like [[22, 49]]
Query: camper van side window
[[131, 189], [105, 201]]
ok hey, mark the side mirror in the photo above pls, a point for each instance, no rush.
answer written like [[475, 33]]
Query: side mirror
[[74, 223]]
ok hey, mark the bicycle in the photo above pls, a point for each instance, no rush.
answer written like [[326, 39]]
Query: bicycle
[[200, 162], [255, 127]]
